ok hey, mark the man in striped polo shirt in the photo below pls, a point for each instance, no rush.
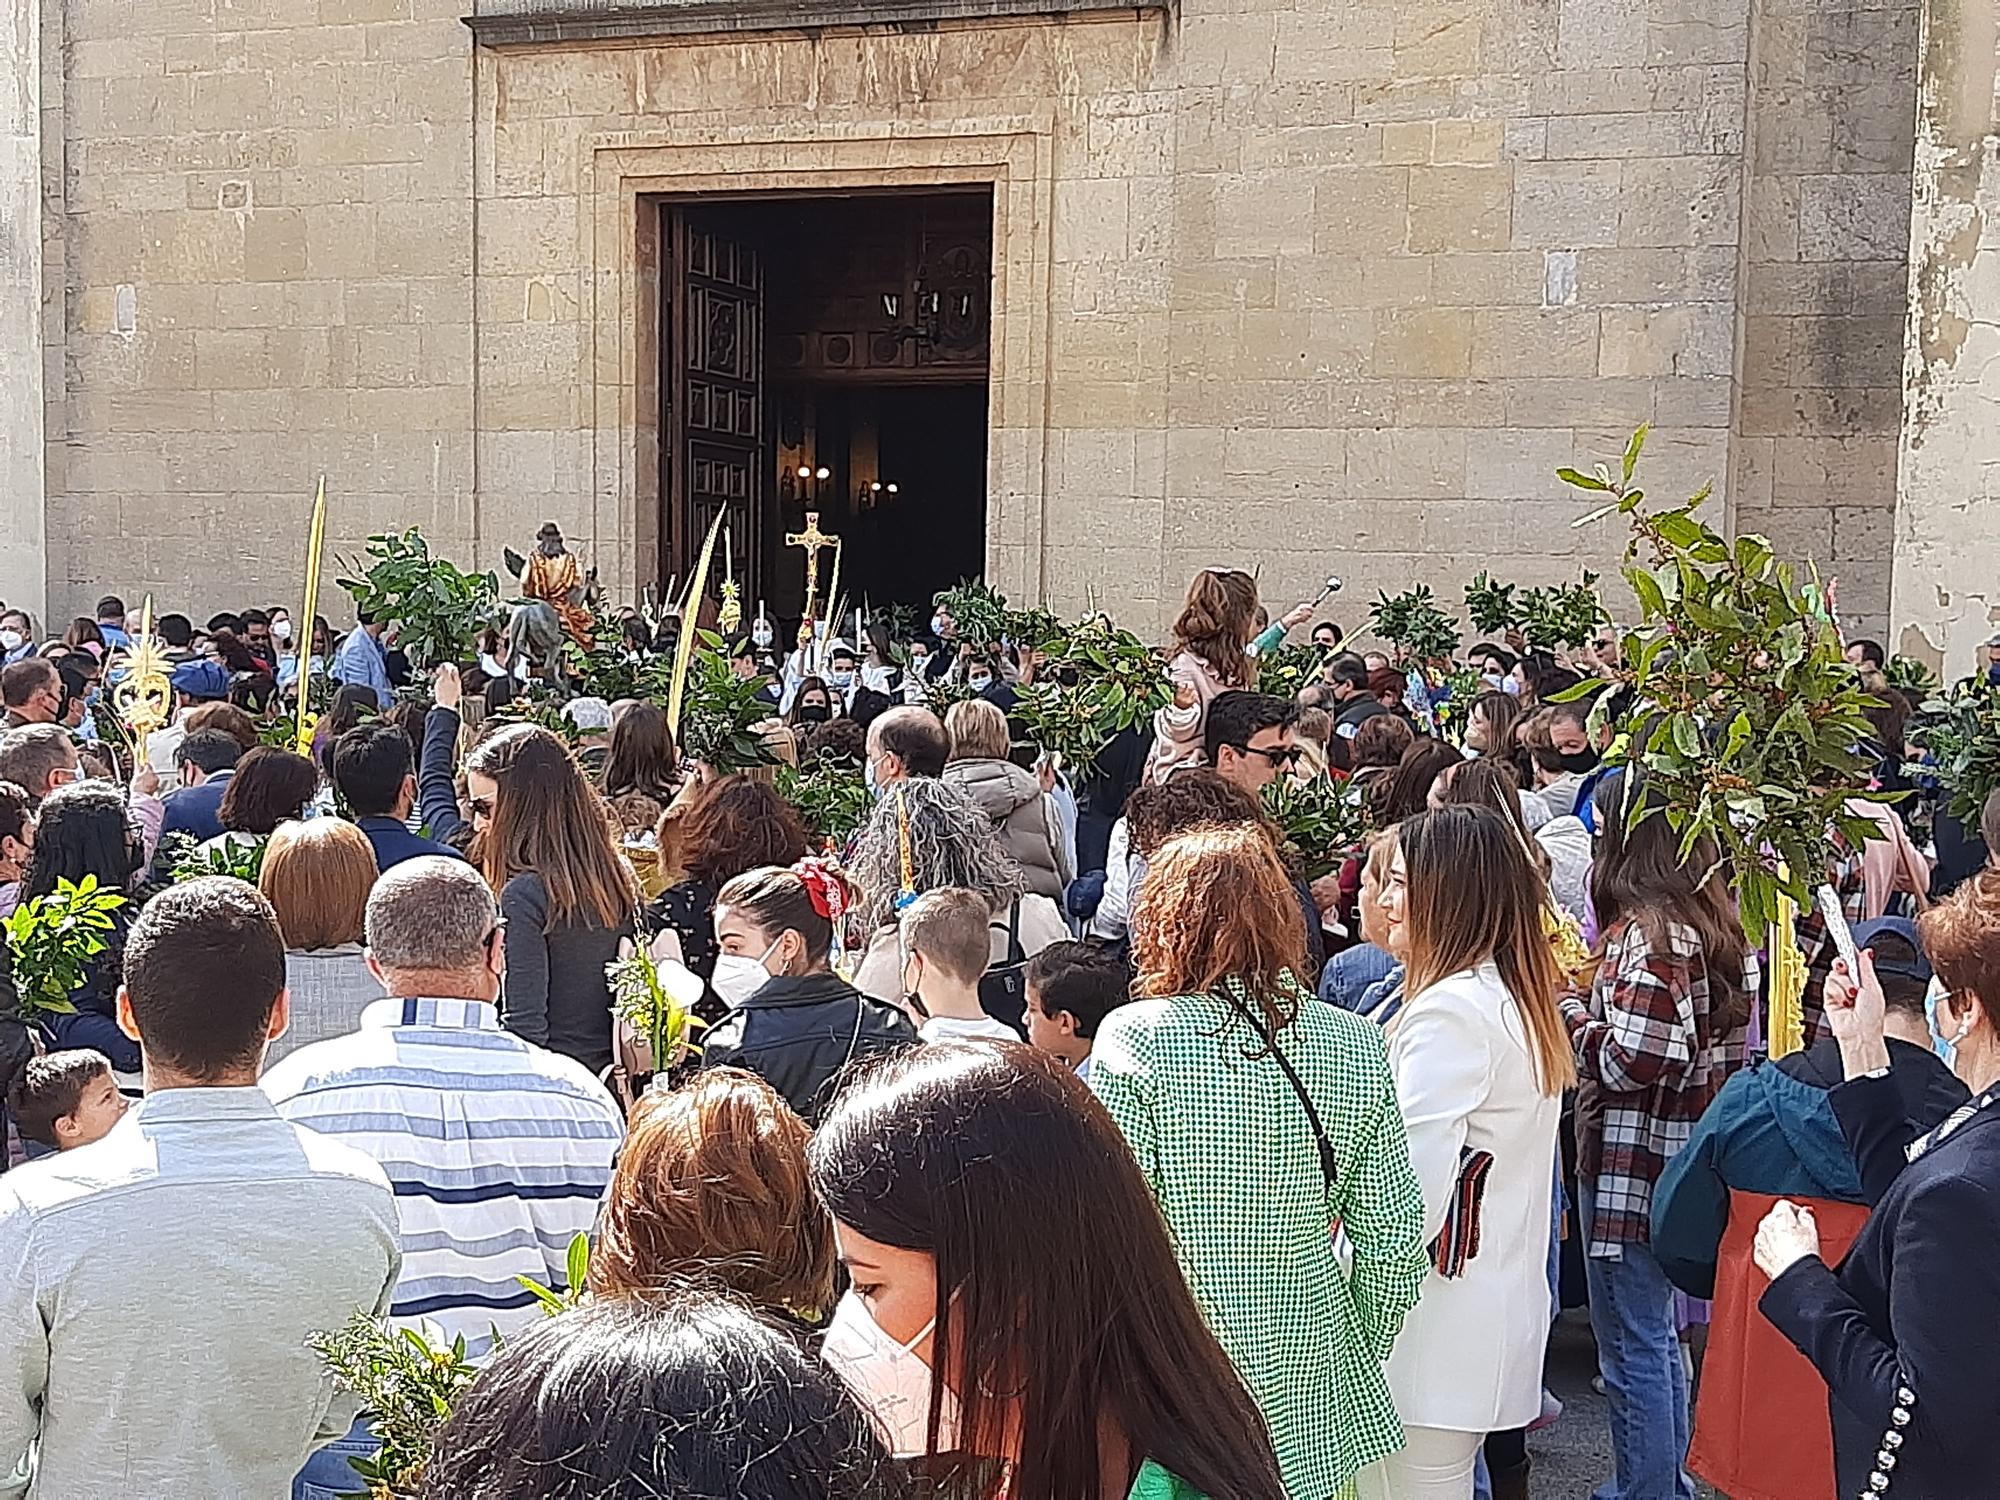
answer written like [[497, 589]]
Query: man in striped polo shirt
[[498, 1150]]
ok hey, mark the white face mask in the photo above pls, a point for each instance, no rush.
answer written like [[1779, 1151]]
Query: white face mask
[[11, 640], [282, 629], [890, 1379], [920, 661], [738, 976], [760, 635]]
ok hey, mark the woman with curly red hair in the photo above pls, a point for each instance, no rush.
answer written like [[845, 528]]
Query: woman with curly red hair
[[791, 1020], [1261, 1120]]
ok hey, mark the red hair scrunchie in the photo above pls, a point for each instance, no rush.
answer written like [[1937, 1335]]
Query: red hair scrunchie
[[824, 886]]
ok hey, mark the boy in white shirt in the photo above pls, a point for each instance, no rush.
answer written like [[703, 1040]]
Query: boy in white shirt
[[945, 950]]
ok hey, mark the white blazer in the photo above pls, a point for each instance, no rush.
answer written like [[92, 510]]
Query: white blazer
[[1469, 1358]]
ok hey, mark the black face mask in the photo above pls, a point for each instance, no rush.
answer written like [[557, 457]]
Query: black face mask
[[812, 713], [1579, 763]]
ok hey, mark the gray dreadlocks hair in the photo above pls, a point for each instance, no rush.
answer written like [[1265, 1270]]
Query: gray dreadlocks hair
[[952, 843]]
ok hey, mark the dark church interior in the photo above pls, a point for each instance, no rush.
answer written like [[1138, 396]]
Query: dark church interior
[[834, 358]]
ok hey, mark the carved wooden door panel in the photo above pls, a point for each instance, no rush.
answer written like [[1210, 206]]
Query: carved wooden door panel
[[713, 425]]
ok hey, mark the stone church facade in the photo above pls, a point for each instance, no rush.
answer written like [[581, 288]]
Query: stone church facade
[[1322, 285]]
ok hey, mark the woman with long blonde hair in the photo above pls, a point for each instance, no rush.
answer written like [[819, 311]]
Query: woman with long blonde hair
[[542, 838], [1481, 1058], [1261, 1119], [1209, 656]]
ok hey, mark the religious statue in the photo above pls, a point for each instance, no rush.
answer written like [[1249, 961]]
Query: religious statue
[[552, 575]]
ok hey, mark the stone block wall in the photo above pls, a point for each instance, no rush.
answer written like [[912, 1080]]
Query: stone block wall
[[264, 221], [1825, 257], [22, 545], [1947, 581], [1318, 285]]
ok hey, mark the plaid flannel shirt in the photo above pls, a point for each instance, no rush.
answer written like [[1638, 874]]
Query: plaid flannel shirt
[[1845, 872], [1645, 1052]]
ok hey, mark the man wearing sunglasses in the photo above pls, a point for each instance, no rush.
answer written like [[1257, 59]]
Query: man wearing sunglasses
[[1249, 739]]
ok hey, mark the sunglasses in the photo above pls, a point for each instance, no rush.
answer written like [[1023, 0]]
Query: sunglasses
[[1278, 759]]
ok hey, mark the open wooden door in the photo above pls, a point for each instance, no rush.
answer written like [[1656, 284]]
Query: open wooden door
[[712, 430]]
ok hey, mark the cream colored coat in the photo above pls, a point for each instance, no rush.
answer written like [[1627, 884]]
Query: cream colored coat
[[1469, 1358]]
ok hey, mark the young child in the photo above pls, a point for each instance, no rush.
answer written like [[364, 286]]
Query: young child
[[1070, 987], [66, 1099], [946, 946]]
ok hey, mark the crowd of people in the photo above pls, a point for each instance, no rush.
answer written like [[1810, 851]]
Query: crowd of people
[[1053, 1137]]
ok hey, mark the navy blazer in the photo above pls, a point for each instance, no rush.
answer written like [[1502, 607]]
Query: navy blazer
[[195, 809], [1912, 1307], [394, 842]]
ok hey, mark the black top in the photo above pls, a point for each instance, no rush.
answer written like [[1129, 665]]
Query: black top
[[1929, 1089], [555, 993], [799, 1033], [688, 910], [1913, 1306]]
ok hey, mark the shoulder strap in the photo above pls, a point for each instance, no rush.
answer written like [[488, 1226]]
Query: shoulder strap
[[1016, 954], [1328, 1164]]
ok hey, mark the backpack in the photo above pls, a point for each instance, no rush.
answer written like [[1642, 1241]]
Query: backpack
[[1003, 988]]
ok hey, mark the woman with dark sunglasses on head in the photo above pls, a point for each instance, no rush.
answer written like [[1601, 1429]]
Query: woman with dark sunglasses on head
[[543, 841]]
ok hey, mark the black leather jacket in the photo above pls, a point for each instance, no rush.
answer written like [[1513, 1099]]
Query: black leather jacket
[[799, 1033]]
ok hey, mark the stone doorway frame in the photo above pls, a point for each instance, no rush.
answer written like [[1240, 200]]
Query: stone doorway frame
[[630, 174]]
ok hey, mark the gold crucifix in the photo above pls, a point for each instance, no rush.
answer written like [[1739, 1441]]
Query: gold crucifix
[[814, 541]]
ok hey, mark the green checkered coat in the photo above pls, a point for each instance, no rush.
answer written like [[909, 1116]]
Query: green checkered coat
[[1232, 1159]]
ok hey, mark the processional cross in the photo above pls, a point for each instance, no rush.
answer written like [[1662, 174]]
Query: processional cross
[[814, 541]]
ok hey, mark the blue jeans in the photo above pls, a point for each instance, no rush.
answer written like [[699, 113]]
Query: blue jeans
[[1639, 1355], [328, 1475]]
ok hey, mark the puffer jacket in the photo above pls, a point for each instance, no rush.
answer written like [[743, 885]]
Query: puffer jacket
[[798, 1032], [1025, 816]]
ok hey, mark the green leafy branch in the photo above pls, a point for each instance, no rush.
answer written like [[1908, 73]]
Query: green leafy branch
[[978, 611], [409, 1380], [1912, 678], [1565, 615], [1281, 673], [1095, 682], [239, 855], [408, 1384], [1319, 825], [1413, 622], [577, 1272], [440, 610], [54, 938], [832, 799], [1746, 717], [1960, 733], [1490, 605], [720, 712]]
